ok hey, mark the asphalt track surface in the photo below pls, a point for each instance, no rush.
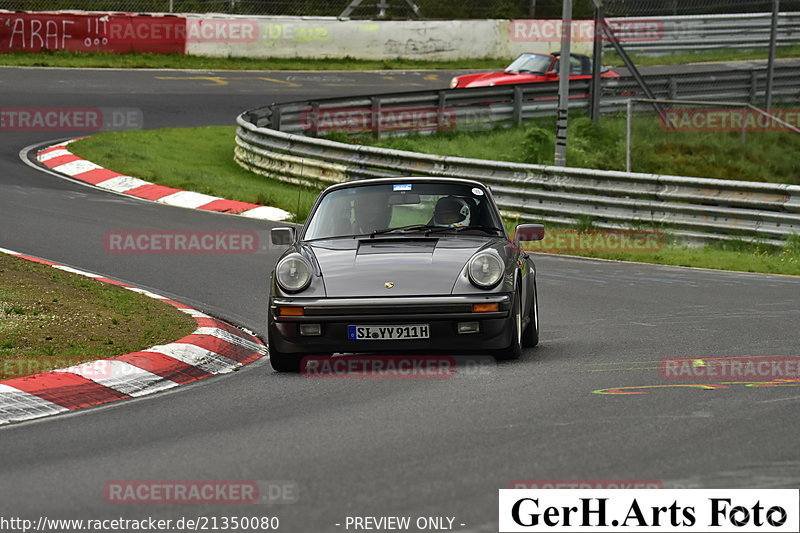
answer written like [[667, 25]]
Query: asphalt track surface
[[384, 447]]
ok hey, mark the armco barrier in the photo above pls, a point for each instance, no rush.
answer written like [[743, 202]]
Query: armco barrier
[[270, 141]]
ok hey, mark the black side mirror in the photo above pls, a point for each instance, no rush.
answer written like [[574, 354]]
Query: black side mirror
[[529, 232], [282, 236]]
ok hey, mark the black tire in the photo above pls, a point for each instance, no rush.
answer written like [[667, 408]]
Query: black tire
[[284, 362], [514, 350], [530, 337]]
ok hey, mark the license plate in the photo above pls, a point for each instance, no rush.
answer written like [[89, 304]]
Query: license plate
[[387, 333]]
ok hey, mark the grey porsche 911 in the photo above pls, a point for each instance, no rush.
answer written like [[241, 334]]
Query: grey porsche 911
[[402, 265]]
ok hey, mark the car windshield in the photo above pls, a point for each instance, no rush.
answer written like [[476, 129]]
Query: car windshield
[[404, 208], [531, 63]]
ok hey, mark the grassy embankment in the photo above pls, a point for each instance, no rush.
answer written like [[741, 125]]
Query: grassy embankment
[[51, 319]]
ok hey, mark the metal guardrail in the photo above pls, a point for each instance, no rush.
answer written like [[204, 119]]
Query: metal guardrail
[[695, 209], [690, 33]]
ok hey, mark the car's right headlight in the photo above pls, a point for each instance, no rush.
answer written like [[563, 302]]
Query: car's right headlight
[[485, 270], [293, 273], [453, 83]]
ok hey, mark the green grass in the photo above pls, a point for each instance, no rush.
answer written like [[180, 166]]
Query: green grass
[[51, 319], [767, 156], [732, 255], [723, 54], [177, 61], [195, 159], [201, 159]]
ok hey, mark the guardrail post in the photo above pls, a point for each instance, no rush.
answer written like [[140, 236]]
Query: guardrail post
[[753, 86], [516, 117], [375, 117], [275, 119], [440, 109], [313, 117], [672, 89]]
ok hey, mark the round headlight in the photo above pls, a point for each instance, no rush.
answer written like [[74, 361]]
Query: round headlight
[[485, 270], [293, 274], [453, 83]]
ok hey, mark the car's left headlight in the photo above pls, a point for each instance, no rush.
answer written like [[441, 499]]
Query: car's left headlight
[[453, 83], [293, 273], [485, 270]]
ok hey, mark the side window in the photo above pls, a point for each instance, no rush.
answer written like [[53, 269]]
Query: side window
[[575, 66]]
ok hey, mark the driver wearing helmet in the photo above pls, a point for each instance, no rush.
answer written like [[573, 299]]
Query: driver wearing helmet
[[451, 211], [371, 213]]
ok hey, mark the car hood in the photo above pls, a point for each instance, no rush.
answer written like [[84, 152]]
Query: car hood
[[504, 78], [414, 266]]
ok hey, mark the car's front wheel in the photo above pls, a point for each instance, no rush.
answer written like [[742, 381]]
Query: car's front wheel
[[514, 350], [530, 337], [284, 362]]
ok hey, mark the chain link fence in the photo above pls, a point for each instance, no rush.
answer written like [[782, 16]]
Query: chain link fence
[[429, 9]]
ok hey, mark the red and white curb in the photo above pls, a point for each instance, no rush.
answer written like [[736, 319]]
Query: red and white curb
[[59, 159], [215, 347]]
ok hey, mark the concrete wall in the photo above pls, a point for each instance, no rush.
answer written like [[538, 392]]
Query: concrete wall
[[290, 37]]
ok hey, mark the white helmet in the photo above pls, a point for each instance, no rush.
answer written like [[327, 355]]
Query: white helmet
[[451, 211]]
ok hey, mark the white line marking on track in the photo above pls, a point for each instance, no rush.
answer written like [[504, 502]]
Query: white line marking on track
[[74, 168], [121, 376], [188, 199], [17, 405], [207, 360], [266, 213], [122, 183], [51, 155]]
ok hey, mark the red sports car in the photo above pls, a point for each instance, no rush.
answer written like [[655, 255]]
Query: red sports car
[[532, 68]]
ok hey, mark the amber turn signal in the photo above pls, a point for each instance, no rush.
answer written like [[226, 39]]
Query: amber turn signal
[[485, 308], [291, 311]]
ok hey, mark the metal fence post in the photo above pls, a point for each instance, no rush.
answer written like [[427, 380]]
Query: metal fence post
[[672, 89], [562, 114], [442, 99], [773, 36], [314, 119], [597, 59], [628, 137], [275, 119], [375, 117], [516, 117]]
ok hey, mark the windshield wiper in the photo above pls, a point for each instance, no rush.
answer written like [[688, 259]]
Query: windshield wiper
[[428, 228], [487, 229], [442, 229], [403, 229]]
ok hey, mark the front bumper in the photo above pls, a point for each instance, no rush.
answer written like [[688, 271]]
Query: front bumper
[[443, 313]]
